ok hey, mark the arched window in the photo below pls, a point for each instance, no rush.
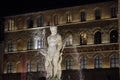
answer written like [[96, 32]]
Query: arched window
[[83, 38], [114, 36], [69, 40], [9, 68], [114, 61], [55, 19], [30, 44], [83, 63], [69, 63], [97, 38], [98, 62], [40, 21], [10, 46], [30, 23], [29, 66], [40, 43], [97, 14], [83, 16]]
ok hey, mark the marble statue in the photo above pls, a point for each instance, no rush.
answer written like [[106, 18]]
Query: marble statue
[[53, 55]]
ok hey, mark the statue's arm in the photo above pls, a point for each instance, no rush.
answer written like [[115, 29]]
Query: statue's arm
[[48, 40], [59, 44], [43, 52]]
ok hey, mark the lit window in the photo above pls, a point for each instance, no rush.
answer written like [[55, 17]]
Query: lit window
[[83, 63], [30, 23], [69, 17], [97, 14], [29, 66], [114, 61], [69, 40], [40, 43], [9, 68], [114, 36], [55, 19], [97, 38], [69, 63], [113, 12], [40, 21], [10, 46], [83, 38], [98, 62], [30, 45], [83, 16], [11, 25]]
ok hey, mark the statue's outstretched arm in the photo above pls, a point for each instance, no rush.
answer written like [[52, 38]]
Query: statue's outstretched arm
[[59, 44], [43, 52]]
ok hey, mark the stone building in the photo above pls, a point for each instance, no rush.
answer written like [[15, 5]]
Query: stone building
[[89, 32]]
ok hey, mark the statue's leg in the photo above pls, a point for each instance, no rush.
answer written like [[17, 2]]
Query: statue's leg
[[59, 74], [55, 64], [59, 68], [46, 68], [50, 70]]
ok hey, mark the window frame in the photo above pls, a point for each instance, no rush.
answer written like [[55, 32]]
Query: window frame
[[69, 64], [83, 16], [55, 19], [29, 66], [10, 46], [30, 23], [30, 45], [98, 62], [113, 12], [114, 61], [83, 62], [9, 68], [98, 37], [114, 36], [40, 21], [97, 14]]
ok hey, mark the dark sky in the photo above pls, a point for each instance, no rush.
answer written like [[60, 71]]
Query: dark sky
[[11, 7]]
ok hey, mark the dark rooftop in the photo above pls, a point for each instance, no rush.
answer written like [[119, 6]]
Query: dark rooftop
[[13, 7]]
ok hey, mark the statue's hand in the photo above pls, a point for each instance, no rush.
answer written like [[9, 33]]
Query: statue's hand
[[43, 52]]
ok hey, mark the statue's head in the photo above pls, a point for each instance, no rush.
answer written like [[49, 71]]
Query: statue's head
[[53, 30]]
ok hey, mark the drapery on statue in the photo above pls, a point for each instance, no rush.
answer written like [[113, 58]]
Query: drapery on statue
[[53, 54]]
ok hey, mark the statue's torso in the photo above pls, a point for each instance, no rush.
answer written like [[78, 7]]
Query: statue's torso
[[52, 45]]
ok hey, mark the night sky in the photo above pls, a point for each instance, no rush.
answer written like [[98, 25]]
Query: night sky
[[12, 7]]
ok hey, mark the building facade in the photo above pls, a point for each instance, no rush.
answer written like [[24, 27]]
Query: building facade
[[89, 32]]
